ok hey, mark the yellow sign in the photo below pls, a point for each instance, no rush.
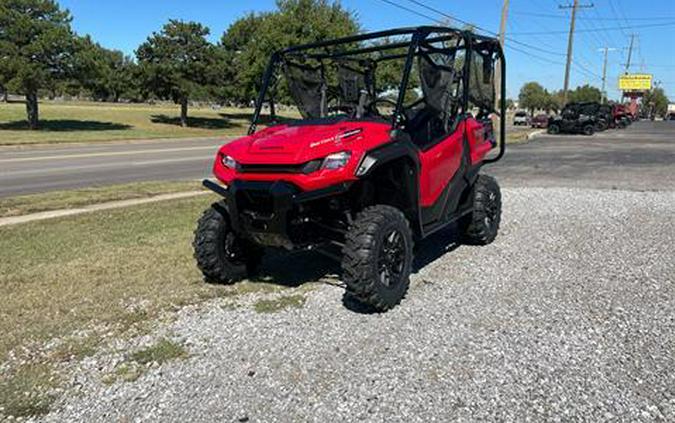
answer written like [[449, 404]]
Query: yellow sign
[[635, 82]]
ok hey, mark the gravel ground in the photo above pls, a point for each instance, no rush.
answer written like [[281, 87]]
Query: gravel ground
[[569, 315]]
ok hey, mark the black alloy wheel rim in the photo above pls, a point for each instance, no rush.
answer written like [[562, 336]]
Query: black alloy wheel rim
[[232, 249], [391, 259], [491, 210]]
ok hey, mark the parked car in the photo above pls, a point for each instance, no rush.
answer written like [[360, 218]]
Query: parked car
[[601, 113], [572, 121], [539, 121], [521, 118]]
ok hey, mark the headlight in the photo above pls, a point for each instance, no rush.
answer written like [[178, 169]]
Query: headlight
[[336, 160], [229, 162]]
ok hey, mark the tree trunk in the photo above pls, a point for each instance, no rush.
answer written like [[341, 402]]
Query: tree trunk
[[5, 94], [183, 112], [32, 109], [273, 112]]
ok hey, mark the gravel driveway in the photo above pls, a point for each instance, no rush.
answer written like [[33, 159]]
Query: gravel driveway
[[569, 315]]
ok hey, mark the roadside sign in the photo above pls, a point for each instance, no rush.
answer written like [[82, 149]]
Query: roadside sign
[[635, 82]]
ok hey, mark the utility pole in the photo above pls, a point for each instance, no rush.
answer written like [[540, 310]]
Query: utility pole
[[570, 42], [498, 71], [630, 52], [604, 72]]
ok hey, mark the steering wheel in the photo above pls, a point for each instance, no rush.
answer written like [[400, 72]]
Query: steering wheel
[[347, 108], [370, 107]]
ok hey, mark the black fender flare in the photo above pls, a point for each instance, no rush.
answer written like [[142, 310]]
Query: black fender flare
[[387, 153]]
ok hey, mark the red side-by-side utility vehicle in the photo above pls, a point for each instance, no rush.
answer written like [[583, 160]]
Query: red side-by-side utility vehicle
[[396, 126]]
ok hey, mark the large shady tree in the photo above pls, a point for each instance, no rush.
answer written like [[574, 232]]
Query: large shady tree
[[178, 62], [248, 42], [37, 47]]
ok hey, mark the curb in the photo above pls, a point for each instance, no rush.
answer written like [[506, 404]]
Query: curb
[[14, 220], [535, 134]]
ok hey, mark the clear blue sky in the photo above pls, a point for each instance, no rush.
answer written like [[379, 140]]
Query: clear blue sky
[[124, 24]]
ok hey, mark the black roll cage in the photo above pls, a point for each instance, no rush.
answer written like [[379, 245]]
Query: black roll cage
[[419, 35]]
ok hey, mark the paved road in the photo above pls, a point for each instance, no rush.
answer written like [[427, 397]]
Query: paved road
[[640, 157], [549, 160], [47, 168]]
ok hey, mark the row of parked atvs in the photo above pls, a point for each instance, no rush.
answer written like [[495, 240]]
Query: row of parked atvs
[[588, 118]]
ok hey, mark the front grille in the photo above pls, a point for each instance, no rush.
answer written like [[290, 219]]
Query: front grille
[[259, 201], [307, 167]]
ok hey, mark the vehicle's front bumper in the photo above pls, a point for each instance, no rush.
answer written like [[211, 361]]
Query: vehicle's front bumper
[[261, 210]]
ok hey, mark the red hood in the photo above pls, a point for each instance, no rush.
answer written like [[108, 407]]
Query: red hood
[[295, 144]]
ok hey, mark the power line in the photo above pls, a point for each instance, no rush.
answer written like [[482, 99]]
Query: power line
[[440, 12], [508, 46], [400, 6], [553, 16], [618, 28]]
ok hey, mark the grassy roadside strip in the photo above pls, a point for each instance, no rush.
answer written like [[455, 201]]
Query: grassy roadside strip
[[63, 122], [520, 137], [68, 199], [71, 285]]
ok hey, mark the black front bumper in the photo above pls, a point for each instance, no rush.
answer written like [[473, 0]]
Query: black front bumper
[[262, 211]]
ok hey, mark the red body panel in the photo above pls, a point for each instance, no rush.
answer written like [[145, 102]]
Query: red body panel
[[290, 145], [438, 165], [298, 144], [478, 145]]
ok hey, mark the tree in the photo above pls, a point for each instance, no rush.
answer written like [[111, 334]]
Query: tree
[[533, 96], [36, 46], [178, 62], [250, 41], [656, 101], [585, 93], [107, 74]]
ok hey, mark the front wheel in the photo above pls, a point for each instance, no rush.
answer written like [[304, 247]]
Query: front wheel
[[589, 129], [222, 256], [480, 227], [553, 129], [378, 256]]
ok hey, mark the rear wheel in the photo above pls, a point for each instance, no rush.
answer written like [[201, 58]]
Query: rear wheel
[[378, 255], [553, 129], [588, 129], [480, 227], [222, 256]]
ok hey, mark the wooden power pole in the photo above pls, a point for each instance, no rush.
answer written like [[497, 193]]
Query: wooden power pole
[[630, 52], [604, 72], [570, 42]]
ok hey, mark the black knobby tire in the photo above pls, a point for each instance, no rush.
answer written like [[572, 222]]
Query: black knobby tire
[[553, 129], [601, 126], [377, 257], [480, 227], [221, 255], [589, 129]]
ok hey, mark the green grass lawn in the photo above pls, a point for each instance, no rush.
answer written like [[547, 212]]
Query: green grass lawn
[[68, 285], [89, 121], [68, 199]]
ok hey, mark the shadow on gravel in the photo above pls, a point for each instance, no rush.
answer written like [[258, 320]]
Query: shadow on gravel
[[434, 247], [298, 268]]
